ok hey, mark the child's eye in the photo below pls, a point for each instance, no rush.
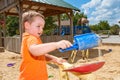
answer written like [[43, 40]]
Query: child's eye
[[38, 26]]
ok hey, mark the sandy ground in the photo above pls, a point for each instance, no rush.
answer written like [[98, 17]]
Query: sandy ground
[[110, 70]]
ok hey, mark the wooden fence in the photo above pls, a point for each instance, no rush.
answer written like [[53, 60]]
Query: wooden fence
[[13, 43]]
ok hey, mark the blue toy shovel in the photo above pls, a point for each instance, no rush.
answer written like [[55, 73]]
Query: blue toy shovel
[[83, 42]]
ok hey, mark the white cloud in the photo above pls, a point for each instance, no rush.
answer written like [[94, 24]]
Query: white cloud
[[93, 3], [98, 12], [102, 10]]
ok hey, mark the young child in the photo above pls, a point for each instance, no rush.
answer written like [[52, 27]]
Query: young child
[[34, 53]]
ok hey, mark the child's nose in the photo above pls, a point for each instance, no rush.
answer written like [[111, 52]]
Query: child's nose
[[41, 30]]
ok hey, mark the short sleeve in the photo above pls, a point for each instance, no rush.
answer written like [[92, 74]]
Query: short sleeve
[[32, 40]]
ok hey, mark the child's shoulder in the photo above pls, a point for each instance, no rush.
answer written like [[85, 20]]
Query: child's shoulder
[[28, 35], [31, 37]]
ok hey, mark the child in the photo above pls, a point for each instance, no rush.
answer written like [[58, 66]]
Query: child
[[34, 52]]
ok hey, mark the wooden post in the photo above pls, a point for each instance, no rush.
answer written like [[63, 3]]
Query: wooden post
[[59, 24], [0, 38], [5, 2], [20, 19], [4, 30], [71, 22]]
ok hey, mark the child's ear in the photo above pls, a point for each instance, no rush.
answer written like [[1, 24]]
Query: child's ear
[[27, 25]]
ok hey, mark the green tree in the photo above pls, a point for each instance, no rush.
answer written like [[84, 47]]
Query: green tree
[[114, 29], [94, 28], [64, 17], [49, 25], [12, 25], [104, 25], [1, 22], [77, 16]]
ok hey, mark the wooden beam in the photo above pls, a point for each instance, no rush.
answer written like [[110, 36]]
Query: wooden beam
[[29, 8], [4, 29], [0, 37], [71, 23], [25, 9], [70, 15], [59, 23], [20, 19], [52, 13], [48, 6], [10, 13], [9, 6]]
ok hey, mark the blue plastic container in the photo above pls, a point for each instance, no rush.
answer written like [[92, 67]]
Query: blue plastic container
[[83, 42]]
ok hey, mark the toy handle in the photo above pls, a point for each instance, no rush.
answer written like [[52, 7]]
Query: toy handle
[[69, 48]]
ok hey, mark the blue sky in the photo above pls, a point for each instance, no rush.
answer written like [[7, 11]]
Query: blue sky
[[97, 10]]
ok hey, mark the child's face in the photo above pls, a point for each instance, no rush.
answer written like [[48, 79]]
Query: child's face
[[36, 27]]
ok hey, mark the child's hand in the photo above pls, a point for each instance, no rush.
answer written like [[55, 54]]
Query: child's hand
[[63, 44], [63, 62], [59, 60]]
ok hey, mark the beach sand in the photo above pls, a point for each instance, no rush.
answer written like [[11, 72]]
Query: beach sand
[[110, 70]]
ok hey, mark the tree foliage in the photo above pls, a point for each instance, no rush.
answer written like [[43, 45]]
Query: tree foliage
[[12, 25], [64, 17], [103, 25], [114, 29], [49, 25], [77, 16], [105, 28], [94, 27]]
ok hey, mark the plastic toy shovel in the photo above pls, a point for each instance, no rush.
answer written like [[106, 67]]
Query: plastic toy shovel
[[83, 42], [87, 67]]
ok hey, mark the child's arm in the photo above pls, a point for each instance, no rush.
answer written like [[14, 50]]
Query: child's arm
[[54, 59], [40, 49]]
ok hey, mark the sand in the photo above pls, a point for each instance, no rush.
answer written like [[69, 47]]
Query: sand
[[110, 70]]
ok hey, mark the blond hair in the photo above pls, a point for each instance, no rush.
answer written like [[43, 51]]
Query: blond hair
[[29, 15]]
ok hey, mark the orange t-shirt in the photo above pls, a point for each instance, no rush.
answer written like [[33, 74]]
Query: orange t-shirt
[[32, 67]]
